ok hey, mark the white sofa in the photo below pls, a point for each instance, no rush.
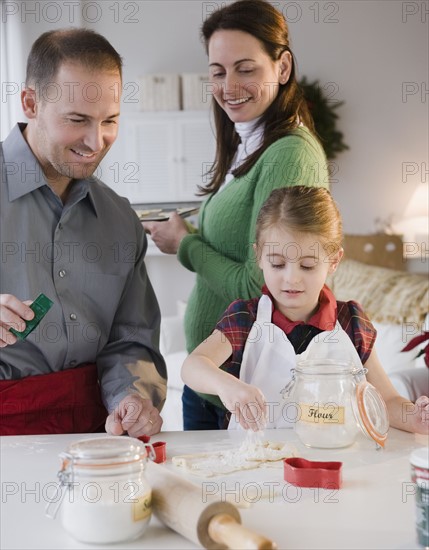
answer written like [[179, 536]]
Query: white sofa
[[397, 303], [173, 348]]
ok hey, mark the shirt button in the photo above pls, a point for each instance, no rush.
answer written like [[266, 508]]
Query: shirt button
[[60, 226], [72, 363], [62, 273], [73, 316]]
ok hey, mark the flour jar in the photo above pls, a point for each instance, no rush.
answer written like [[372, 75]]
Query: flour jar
[[106, 497], [334, 402]]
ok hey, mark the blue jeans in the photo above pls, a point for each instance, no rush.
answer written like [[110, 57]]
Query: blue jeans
[[199, 414]]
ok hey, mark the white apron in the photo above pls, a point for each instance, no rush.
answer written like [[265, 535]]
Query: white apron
[[269, 357]]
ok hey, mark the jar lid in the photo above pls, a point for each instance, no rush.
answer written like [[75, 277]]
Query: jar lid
[[106, 451], [326, 366], [420, 457], [371, 412]]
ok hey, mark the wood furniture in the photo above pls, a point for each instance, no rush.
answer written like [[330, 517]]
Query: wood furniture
[[377, 249]]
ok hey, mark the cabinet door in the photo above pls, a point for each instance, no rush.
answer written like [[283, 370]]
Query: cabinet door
[[153, 147], [160, 157], [196, 146]]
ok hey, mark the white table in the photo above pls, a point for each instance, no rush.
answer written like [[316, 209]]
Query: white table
[[374, 509]]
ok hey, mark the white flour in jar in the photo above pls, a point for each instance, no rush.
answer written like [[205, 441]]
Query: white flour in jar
[[105, 521]]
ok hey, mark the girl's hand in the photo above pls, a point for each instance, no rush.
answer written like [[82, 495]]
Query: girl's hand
[[168, 234], [420, 416], [246, 402]]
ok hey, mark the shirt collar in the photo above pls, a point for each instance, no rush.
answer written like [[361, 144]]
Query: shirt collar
[[249, 128], [24, 173], [324, 318]]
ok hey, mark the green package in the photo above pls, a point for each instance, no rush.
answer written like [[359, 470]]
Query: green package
[[41, 305]]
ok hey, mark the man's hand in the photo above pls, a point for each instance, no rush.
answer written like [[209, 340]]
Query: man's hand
[[13, 314], [134, 415]]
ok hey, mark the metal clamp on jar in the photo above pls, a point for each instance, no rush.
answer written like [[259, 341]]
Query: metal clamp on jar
[[103, 495], [334, 401]]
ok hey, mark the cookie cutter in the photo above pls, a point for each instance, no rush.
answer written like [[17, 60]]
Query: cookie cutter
[[159, 448], [309, 473]]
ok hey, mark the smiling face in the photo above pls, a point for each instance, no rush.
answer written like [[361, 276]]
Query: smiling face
[[295, 267], [245, 79], [74, 122]]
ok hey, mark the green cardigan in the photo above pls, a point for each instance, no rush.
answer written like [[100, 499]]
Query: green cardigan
[[221, 252]]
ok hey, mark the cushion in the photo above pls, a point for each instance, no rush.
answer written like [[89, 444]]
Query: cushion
[[172, 411], [397, 304], [391, 339], [172, 335], [411, 383], [386, 295], [174, 362]]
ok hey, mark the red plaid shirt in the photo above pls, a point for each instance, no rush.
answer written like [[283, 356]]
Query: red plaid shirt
[[238, 319]]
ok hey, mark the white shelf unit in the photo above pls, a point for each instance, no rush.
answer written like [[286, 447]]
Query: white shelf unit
[[160, 156]]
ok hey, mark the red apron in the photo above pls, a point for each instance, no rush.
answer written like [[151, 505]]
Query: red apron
[[68, 401]]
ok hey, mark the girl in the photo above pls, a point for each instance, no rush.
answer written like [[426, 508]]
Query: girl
[[298, 243], [265, 140]]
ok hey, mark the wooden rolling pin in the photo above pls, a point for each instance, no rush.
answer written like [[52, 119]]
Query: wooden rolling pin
[[214, 524]]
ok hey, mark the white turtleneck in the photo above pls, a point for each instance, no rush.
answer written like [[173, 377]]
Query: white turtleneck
[[251, 139]]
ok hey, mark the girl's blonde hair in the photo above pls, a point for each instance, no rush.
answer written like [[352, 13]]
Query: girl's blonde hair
[[304, 210]]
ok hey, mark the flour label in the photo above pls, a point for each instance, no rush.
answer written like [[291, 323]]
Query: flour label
[[321, 413], [142, 508]]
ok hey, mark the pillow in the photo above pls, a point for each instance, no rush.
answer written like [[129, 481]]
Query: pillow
[[396, 302], [391, 339], [411, 384], [386, 295], [172, 335], [174, 362]]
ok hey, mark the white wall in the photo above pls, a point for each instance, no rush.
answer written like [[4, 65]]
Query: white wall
[[363, 52]]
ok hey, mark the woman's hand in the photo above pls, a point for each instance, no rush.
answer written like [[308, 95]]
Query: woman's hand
[[246, 402], [167, 235]]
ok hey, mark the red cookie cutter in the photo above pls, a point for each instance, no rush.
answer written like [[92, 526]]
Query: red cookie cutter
[[159, 448], [308, 473]]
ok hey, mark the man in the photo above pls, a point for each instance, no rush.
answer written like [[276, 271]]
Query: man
[[67, 235]]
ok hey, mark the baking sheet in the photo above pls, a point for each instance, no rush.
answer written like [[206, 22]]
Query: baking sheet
[[162, 215]]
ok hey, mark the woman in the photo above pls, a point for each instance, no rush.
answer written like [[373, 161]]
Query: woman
[[265, 140]]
